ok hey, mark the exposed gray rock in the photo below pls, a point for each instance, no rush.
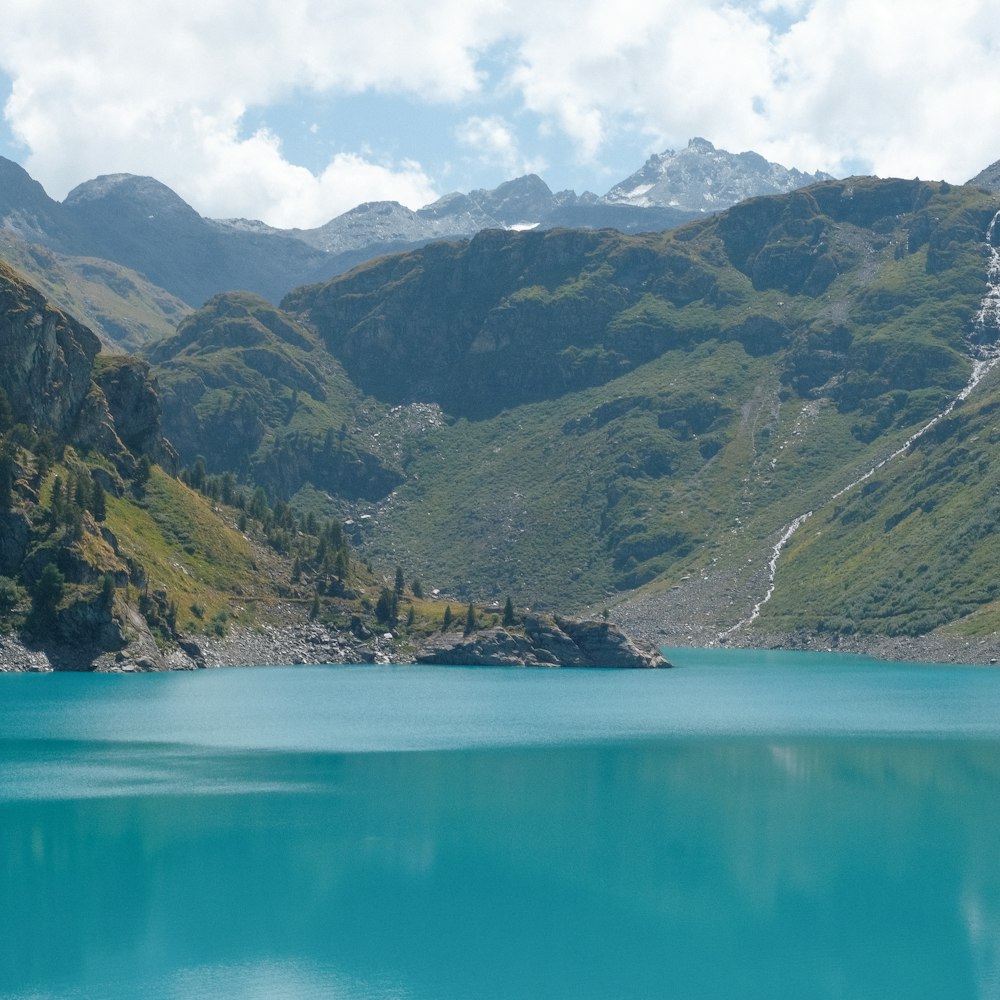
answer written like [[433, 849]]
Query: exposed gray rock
[[309, 642], [493, 647], [702, 178], [988, 177], [16, 657], [546, 642], [47, 357], [132, 394], [604, 644]]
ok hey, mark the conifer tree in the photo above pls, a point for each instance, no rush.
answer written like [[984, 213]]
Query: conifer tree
[[383, 609], [508, 613], [141, 477], [56, 500], [342, 564], [108, 590], [47, 593], [446, 621], [198, 473], [82, 493], [6, 481], [99, 502], [470, 619], [6, 413], [227, 485]]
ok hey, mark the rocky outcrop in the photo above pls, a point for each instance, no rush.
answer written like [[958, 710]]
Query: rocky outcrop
[[47, 357], [133, 399], [544, 642], [56, 383], [87, 635], [988, 177]]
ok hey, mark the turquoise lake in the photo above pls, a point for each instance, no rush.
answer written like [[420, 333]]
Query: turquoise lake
[[746, 825]]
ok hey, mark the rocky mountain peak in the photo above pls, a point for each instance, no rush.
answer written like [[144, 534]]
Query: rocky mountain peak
[[988, 178], [25, 208], [701, 178], [524, 200], [130, 192]]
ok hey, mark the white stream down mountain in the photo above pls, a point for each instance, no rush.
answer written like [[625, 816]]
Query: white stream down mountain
[[985, 357]]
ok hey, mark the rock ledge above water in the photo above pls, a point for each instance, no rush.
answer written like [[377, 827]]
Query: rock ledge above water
[[542, 642]]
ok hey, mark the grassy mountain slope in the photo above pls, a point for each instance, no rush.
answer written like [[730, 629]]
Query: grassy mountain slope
[[834, 278], [914, 548], [625, 418], [124, 309], [654, 410], [252, 392]]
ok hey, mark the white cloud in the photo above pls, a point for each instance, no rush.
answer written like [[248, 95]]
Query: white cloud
[[851, 80], [162, 87], [494, 141], [673, 69], [909, 95]]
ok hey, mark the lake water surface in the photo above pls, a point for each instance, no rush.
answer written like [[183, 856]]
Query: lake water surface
[[747, 825]]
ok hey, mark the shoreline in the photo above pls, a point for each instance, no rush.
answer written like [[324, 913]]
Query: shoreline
[[268, 645], [302, 644], [944, 650]]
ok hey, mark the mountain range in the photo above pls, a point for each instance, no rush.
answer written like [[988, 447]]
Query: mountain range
[[774, 419], [130, 257]]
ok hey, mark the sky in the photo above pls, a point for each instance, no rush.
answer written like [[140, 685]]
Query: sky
[[294, 111]]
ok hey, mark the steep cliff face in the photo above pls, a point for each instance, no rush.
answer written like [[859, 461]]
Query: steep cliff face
[[57, 385], [475, 326], [47, 358], [131, 390]]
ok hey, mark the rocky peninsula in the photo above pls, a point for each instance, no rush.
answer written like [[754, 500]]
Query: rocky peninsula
[[540, 640]]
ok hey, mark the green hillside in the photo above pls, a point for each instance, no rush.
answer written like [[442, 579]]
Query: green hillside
[[121, 306], [869, 281], [916, 547], [576, 419], [648, 411], [252, 392], [108, 558]]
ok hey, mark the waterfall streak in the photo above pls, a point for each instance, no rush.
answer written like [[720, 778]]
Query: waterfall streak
[[985, 357]]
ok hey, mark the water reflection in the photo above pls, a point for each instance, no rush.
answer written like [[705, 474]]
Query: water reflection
[[684, 868]]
